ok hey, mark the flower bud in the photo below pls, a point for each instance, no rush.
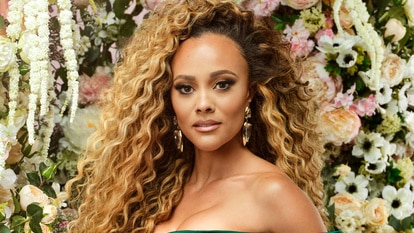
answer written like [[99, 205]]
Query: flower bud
[[395, 28]]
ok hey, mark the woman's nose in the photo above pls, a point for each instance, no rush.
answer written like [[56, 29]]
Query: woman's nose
[[205, 102]]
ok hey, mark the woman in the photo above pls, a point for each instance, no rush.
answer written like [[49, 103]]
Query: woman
[[207, 127]]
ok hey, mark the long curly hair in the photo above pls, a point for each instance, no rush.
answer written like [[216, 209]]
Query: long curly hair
[[132, 175]]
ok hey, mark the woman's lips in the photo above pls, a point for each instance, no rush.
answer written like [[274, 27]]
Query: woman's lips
[[206, 126]]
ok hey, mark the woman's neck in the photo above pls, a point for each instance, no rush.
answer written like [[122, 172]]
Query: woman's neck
[[215, 165]]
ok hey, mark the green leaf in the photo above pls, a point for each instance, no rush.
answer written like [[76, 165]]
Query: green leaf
[[50, 172], [49, 191], [401, 225], [128, 28], [34, 178], [4, 229], [119, 8], [18, 223], [2, 217], [35, 226], [35, 212]]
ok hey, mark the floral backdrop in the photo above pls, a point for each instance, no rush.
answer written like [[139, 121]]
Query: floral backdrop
[[57, 58]]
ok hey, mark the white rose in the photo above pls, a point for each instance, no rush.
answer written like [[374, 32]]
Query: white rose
[[376, 212], [30, 194], [50, 212], [84, 124], [7, 54], [409, 11], [392, 69], [395, 28]]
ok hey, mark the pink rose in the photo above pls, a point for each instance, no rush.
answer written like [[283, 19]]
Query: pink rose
[[365, 106], [339, 125], [90, 88], [299, 4], [261, 8]]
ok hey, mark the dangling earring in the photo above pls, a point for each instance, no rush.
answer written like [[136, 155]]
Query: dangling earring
[[247, 127], [178, 136]]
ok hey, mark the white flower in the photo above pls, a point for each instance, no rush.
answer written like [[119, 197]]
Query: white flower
[[409, 11], [392, 69], [395, 28], [347, 58], [31, 194], [368, 145], [337, 44], [356, 186], [351, 221], [7, 178], [7, 54], [399, 202], [376, 167], [50, 213], [84, 124]]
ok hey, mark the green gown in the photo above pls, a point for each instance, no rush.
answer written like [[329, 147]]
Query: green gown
[[223, 231]]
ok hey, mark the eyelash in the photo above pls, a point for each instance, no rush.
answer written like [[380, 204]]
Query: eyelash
[[184, 88]]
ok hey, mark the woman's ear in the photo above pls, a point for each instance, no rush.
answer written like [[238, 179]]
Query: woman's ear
[[250, 94]]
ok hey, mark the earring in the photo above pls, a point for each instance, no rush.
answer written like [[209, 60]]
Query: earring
[[247, 127], [178, 136]]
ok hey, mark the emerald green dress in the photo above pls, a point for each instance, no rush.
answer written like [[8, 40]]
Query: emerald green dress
[[223, 231]]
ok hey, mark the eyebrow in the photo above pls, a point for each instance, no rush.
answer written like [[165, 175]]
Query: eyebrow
[[212, 75]]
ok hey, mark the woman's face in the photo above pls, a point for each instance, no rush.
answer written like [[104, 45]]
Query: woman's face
[[210, 90]]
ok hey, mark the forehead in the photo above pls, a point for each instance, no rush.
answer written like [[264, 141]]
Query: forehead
[[208, 49]]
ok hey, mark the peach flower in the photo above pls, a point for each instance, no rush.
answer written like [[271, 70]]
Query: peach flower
[[392, 69], [345, 201], [339, 126], [376, 212], [342, 170]]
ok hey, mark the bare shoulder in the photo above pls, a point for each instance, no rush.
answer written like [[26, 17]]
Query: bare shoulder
[[283, 205]]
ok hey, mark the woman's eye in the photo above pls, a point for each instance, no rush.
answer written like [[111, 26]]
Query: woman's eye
[[224, 85], [184, 89]]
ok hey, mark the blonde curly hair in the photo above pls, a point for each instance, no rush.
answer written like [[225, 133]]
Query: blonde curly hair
[[132, 175]]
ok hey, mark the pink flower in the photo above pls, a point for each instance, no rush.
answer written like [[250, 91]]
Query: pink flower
[[345, 99], [339, 126], [298, 36], [365, 106], [324, 32], [301, 48], [90, 88], [261, 8], [298, 30], [299, 4]]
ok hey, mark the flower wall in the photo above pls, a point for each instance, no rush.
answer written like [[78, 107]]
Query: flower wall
[[57, 59]]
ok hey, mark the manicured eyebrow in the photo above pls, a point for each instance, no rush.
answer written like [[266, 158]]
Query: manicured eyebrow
[[212, 75], [220, 72]]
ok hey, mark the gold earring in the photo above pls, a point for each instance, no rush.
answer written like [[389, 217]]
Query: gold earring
[[178, 136], [247, 127]]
